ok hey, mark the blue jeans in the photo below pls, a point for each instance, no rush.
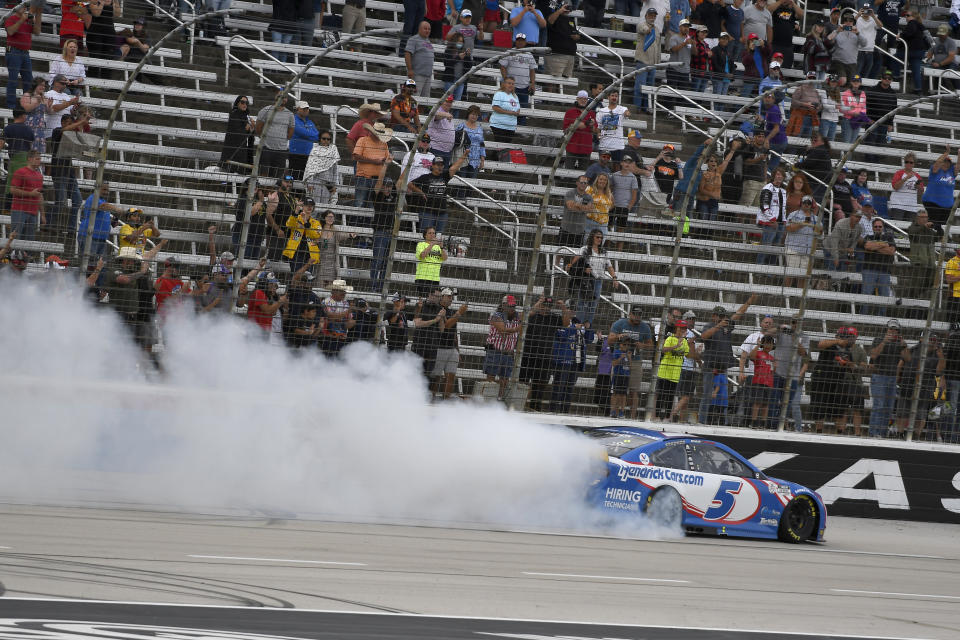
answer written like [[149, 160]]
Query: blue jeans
[[281, 38], [914, 60], [378, 266], [721, 86], [705, 399], [847, 131], [431, 219], [749, 87], [361, 190], [524, 96], [645, 79], [64, 188], [880, 281], [18, 66], [708, 209], [305, 28], [564, 377], [458, 92], [699, 82], [774, 160], [793, 404], [587, 309], [883, 390], [952, 425], [24, 224], [865, 64], [98, 246], [828, 130], [771, 236], [413, 14]]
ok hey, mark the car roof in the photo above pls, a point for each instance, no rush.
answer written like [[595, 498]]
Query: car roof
[[640, 431]]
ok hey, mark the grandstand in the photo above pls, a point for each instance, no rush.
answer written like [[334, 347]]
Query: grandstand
[[165, 148]]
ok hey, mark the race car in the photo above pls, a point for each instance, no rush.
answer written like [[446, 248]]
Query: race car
[[702, 486]]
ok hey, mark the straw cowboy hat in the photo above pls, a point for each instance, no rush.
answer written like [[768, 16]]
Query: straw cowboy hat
[[382, 131], [340, 285], [369, 106]]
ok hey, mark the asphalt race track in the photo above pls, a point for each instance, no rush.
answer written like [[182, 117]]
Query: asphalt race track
[[871, 579]]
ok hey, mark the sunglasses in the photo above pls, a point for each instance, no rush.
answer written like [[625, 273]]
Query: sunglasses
[[908, 162], [243, 102], [327, 138]]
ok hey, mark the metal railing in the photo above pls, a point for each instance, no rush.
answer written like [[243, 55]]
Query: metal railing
[[608, 50], [513, 238], [228, 56], [191, 28], [553, 268], [681, 117]]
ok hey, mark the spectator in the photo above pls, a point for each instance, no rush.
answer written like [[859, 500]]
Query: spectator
[[679, 11], [528, 20], [938, 196], [817, 164], [701, 64], [131, 295], [433, 189], [867, 25], [755, 60], [262, 214], [757, 21], [923, 234], [74, 20], [710, 14], [339, 319], [283, 25], [772, 215], [135, 231], [264, 304], [580, 146], [866, 208], [680, 45], [674, 350], [491, 16], [419, 57], [506, 109], [747, 395], [804, 109], [909, 372], [885, 357], [67, 65], [469, 32], [666, 170], [413, 13], [305, 135], [622, 372], [717, 351], [404, 112], [59, 102], [368, 113], [634, 152], [522, 67], [136, 43], [625, 191], [602, 195], [365, 322], [18, 139], [943, 54], [791, 356], [455, 63], [306, 22], [329, 246], [102, 225], [797, 187], [601, 387], [803, 225], [711, 185], [505, 327], [846, 42], [588, 267], [776, 135], [169, 289], [562, 38], [354, 16], [430, 258], [881, 100], [860, 190], [840, 246], [384, 217], [321, 176], [601, 166], [569, 341], [19, 27], [647, 53], [816, 51], [543, 327], [397, 329], [951, 377], [371, 155], [577, 203], [723, 65], [773, 80], [640, 337], [36, 106], [64, 182], [915, 35], [761, 383], [906, 185], [879, 249], [733, 24], [888, 11], [853, 108], [308, 326], [468, 135], [436, 10], [444, 372], [831, 394], [830, 113], [951, 275], [26, 207], [442, 132], [753, 168], [304, 233], [273, 154], [238, 141]]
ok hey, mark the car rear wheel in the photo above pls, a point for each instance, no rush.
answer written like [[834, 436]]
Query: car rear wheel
[[665, 508], [799, 520]]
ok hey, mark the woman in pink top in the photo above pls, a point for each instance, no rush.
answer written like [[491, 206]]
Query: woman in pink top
[[853, 110]]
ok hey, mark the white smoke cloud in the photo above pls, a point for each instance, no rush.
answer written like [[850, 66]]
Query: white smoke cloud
[[240, 426]]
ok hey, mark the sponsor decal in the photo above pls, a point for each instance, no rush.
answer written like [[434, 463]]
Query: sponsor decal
[[768, 522], [624, 494], [644, 458], [623, 506], [636, 472]]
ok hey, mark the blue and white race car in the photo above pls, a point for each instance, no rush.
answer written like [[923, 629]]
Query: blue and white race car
[[702, 486]]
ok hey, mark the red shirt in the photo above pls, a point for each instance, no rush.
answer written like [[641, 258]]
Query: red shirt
[[22, 38], [581, 142], [71, 24], [357, 131], [26, 178], [763, 368], [257, 300], [436, 9], [166, 287]]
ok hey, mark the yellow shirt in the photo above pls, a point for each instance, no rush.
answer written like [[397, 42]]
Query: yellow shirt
[[299, 231], [672, 361], [139, 244], [601, 207], [428, 268], [952, 268]]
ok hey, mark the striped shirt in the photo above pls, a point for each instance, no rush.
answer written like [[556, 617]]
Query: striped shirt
[[503, 341]]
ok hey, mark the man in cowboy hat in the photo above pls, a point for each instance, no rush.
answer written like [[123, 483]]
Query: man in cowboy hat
[[339, 318], [371, 155], [131, 293], [368, 113]]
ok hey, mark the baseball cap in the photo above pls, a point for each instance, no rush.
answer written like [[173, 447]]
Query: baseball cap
[[520, 36], [410, 83], [702, 27], [684, 22], [943, 30], [724, 34], [845, 169], [582, 94], [140, 20], [689, 315], [605, 152], [636, 134], [887, 73], [806, 199], [669, 147], [867, 202], [56, 262], [450, 98], [681, 324], [811, 75], [753, 36], [777, 55], [425, 138], [308, 202], [510, 301], [397, 297], [466, 13], [719, 310], [446, 291], [651, 10], [774, 64], [855, 78], [636, 310], [226, 255], [893, 324], [303, 104]]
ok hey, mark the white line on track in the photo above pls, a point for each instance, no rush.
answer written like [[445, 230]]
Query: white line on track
[[893, 593], [2, 547], [880, 553], [577, 575], [347, 564]]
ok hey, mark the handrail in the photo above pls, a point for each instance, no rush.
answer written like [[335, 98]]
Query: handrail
[[589, 61], [611, 52], [656, 102], [554, 267], [953, 72], [191, 28], [906, 56], [227, 56], [515, 238]]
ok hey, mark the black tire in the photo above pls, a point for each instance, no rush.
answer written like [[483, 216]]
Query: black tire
[[799, 520], [665, 508]]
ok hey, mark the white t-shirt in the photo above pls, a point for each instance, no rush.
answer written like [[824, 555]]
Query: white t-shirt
[[53, 118], [752, 340], [905, 197], [599, 263], [421, 164], [868, 29], [610, 122]]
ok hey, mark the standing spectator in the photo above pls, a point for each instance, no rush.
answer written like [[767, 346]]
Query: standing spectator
[[830, 113], [589, 265], [264, 305], [283, 25], [102, 35], [797, 187], [885, 357], [881, 100], [430, 258], [397, 330], [701, 64], [711, 185], [577, 203], [785, 18], [757, 21], [384, 217], [339, 320], [580, 146], [915, 34], [761, 383], [867, 25], [622, 372], [528, 20], [67, 65], [803, 226], [771, 216], [942, 54], [135, 231], [307, 328], [365, 322], [273, 154], [938, 196], [36, 105], [570, 339], [306, 21], [951, 275], [906, 185], [773, 80], [74, 20], [816, 51], [522, 67], [59, 102], [674, 350], [710, 14], [304, 232], [791, 356], [419, 57], [329, 246], [839, 248], [26, 207], [469, 33], [170, 290], [640, 337], [717, 352], [776, 135], [371, 155], [64, 182], [305, 135], [647, 53], [733, 24], [321, 176], [562, 38], [755, 59], [131, 295], [878, 255], [923, 235], [442, 132], [723, 65], [436, 10], [413, 13], [505, 327], [951, 377], [599, 218], [455, 63], [19, 27], [506, 110], [238, 140], [448, 346], [602, 165], [102, 225], [754, 168], [404, 111], [804, 109], [888, 11], [679, 11], [846, 43], [748, 392], [830, 394], [434, 187], [469, 135], [543, 327], [817, 164], [666, 170], [625, 191], [354, 16], [367, 113], [934, 366], [263, 198], [853, 109], [680, 45]]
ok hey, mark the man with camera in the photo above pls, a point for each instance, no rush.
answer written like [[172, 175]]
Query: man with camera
[[448, 346], [562, 38], [525, 18], [885, 355], [846, 48], [641, 342], [717, 352], [535, 367]]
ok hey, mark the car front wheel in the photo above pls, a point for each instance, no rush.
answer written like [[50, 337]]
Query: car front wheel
[[799, 520]]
